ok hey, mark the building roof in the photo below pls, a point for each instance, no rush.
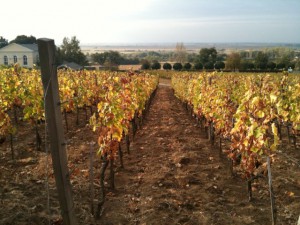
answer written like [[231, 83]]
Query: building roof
[[70, 65], [33, 47], [27, 47]]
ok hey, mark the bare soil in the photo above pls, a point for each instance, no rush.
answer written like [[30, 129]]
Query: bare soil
[[172, 176]]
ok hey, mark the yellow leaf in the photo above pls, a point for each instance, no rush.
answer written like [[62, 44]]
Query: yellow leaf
[[255, 100], [273, 98], [116, 79], [260, 114], [274, 129]]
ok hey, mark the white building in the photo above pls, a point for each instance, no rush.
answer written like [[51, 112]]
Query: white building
[[24, 54]]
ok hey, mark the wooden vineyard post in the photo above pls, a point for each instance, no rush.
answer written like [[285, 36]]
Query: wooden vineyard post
[[92, 177], [272, 199], [56, 134]]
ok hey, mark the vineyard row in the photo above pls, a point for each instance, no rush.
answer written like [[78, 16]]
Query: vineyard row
[[117, 97], [249, 110]]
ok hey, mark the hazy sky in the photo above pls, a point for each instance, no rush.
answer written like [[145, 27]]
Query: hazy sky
[[151, 21]]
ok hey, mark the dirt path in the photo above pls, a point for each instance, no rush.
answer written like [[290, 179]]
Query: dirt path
[[174, 177]]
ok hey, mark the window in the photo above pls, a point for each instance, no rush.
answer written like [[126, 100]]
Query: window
[[5, 60], [15, 59], [25, 60]]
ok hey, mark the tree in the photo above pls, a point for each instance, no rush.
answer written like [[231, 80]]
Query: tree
[[261, 60], [114, 58], [209, 65], [244, 54], [70, 51], [180, 53], [271, 65], [281, 55], [177, 66], [233, 61], [58, 56], [286, 59], [207, 55], [297, 63], [99, 58], [155, 65], [187, 66], [221, 57], [192, 57], [150, 56], [23, 39], [219, 65], [129, 61], [167, 66], [291, 65], [145, 64], [280, 66], [198, 66], [3, 42], [247, 65]]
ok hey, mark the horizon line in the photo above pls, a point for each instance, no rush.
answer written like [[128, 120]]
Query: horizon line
[[190, 42]]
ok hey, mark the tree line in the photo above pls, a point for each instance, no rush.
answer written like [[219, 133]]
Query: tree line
[[206, 58], [211, 59]]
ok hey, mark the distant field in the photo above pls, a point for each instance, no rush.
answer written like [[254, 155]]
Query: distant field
[[129, 67], [191, 47]]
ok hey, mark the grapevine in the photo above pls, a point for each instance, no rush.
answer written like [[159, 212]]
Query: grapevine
[[244, 108]]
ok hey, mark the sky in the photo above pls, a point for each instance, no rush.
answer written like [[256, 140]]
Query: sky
[[153, 21]]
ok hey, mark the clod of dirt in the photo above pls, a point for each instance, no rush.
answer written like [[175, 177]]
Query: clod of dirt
[[184, 161]]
